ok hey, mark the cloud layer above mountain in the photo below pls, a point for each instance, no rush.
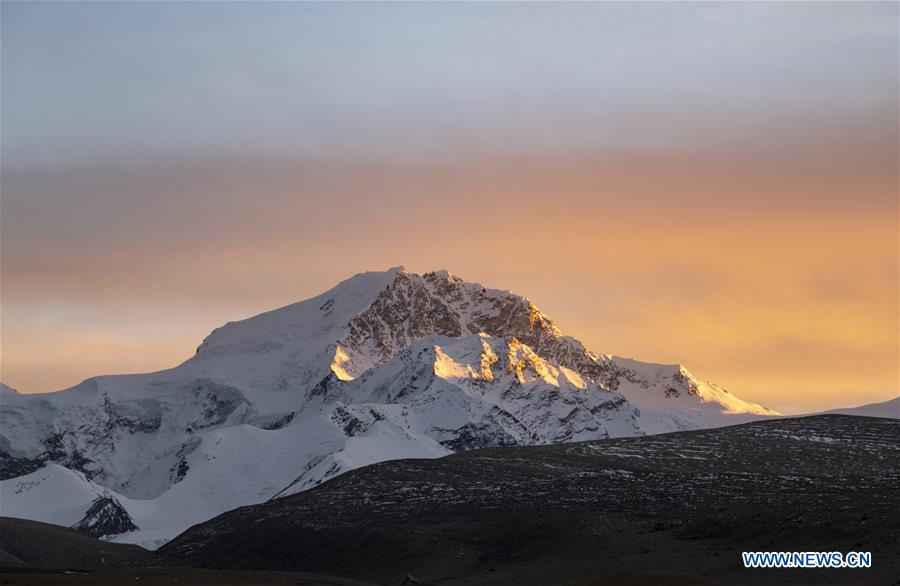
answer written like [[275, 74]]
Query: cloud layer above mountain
[[713, 184]]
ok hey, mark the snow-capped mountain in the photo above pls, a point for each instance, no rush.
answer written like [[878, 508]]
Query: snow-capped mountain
[[889, 409], [386, 365]]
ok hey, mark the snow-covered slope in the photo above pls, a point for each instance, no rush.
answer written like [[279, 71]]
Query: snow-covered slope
[[386, 365], [889, 409]]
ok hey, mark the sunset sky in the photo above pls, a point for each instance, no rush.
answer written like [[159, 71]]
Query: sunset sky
[[703, 183]]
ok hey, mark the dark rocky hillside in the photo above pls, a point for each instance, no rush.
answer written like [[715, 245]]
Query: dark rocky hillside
[[673, 508], [33, 544], [41, 554]]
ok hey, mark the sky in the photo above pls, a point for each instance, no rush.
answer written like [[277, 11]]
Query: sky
[[713, 184]]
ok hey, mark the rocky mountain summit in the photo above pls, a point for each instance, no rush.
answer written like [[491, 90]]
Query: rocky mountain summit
[[386, 365]]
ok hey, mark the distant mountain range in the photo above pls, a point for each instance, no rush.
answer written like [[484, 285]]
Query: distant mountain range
[[889, 408], [386, 365]]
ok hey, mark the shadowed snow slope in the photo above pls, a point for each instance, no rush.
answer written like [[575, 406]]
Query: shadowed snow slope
[[889, 409], [386, 365]]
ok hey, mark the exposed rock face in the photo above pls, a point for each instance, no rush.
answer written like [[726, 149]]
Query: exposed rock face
[[414, 306], [11, 467], [484, 434], [105, 517], [386, 365]]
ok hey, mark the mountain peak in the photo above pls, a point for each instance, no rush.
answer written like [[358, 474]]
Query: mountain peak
[[413, 306], [385, 365], [370, 318], [441, 275]]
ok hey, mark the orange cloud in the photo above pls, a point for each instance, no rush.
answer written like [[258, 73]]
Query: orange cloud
[[775, 281]]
